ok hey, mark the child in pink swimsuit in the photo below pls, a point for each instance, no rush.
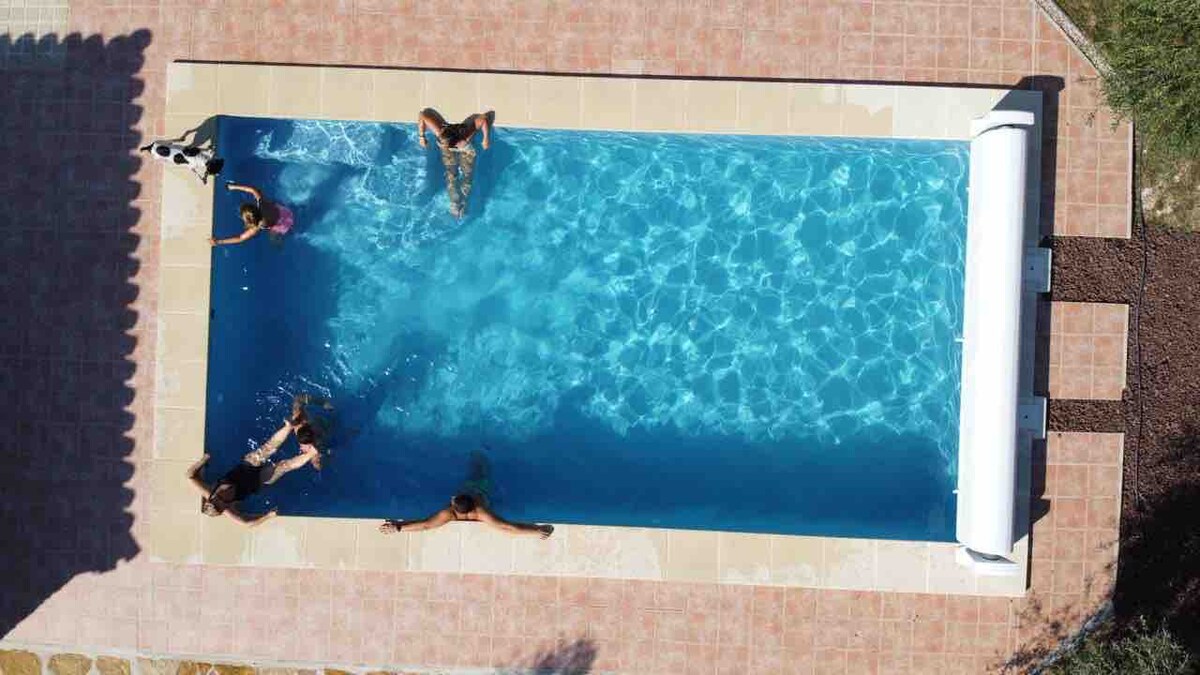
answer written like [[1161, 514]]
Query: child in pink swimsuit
[[263, 215]]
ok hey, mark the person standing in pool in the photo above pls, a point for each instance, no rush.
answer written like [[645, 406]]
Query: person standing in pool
[[468, 505], [255, 471], [458, 154], [263, 215]]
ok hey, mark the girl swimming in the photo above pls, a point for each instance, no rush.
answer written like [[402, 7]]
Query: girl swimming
[[263, 215]]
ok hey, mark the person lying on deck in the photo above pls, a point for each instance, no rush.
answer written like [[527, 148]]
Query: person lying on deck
[[255, 472], [469, 508]]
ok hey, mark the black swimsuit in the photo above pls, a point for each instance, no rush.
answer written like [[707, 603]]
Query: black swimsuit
[[245, 478], [453, 134]]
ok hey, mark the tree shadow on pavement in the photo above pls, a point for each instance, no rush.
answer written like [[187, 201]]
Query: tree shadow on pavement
[[1159, 570], [568, 658], [70, 311]]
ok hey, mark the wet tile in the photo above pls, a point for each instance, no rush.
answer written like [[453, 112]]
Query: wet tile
[[797, 560], [180, 384], [279, 542], [815, 109], [745, 558], [224, 541]]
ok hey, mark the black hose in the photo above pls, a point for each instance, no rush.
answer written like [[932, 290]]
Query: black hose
[[1137, 321]]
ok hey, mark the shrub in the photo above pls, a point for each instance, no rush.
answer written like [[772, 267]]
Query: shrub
[[1140, 652], [1153, 52]]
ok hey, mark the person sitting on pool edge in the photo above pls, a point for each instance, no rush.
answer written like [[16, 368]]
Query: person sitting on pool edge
[[467, 508], [458, 155], [255, 471], [263, 215]]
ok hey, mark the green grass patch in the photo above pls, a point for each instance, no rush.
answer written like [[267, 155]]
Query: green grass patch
[[1153, 51]]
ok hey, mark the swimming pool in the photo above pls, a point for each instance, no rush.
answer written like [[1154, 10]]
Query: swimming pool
[[739, 333]]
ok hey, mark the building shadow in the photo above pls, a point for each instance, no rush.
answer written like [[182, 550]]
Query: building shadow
[[67, 242]]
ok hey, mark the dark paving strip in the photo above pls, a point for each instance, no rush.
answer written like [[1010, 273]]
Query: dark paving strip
[[1072, 415]]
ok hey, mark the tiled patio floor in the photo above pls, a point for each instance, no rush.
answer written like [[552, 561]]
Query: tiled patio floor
[[110, 226], [399, 619]]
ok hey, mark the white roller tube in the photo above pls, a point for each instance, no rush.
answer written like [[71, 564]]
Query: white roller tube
[[991, 332]]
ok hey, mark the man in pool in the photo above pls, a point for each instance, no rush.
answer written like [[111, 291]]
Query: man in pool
[[458, 155], [468, 505], [255, 471]]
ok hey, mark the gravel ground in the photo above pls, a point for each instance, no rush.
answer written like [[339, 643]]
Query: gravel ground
[[1159, 568]]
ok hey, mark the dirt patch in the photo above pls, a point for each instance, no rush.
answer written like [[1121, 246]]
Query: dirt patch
[[1159, 568]]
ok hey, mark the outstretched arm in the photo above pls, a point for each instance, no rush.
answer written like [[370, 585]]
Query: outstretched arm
[[264, 451], [493, 520], [246, 234], [431, 523], [248, 189], [308, 454]]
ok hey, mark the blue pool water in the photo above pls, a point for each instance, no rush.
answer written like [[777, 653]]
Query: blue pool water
[[717, 332]]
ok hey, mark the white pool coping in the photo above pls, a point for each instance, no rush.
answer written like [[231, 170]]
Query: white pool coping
[[176, 531]]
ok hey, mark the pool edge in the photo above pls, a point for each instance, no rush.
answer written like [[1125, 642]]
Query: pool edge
[[176, 531]]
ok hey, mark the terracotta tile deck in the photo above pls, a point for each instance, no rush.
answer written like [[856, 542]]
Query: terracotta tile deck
[[403, 618], [1087, 345]]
